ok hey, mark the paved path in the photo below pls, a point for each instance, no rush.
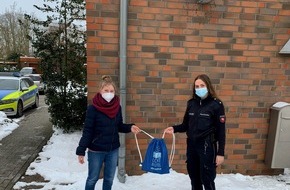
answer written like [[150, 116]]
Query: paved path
[[22, 146]]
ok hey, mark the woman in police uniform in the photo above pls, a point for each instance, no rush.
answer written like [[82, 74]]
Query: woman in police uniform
[[204, 124]]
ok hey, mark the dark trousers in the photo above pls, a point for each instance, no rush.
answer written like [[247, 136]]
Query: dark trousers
[[201, 164]]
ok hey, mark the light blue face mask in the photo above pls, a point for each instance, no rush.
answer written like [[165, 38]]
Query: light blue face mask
[[201, 92]]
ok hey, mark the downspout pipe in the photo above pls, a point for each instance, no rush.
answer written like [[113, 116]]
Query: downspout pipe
[[123, 76]]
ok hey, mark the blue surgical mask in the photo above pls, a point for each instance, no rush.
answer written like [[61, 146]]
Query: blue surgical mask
[[201, 92]]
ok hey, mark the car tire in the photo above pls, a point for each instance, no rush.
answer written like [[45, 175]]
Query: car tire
[[36, 103], [19, 109]]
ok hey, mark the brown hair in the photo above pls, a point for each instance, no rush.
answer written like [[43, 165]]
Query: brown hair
[[107, 80], [208, 84]]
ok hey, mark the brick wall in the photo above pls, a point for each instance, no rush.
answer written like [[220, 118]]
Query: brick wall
[[170, 42]]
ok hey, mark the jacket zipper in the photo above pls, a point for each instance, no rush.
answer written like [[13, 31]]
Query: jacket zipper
[[114, 125]]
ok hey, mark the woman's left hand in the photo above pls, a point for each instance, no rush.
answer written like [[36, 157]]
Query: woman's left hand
[[135, 129], [219, 160]]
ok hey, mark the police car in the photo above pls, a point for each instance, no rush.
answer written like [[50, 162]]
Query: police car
[[17, 93]]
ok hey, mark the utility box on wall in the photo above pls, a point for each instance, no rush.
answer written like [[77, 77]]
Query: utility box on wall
[[278, 143]]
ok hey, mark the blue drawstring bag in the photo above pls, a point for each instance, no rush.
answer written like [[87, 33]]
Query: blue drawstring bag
[[156, 157]]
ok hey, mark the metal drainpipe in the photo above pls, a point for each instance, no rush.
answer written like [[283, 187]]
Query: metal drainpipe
[[123, 76]]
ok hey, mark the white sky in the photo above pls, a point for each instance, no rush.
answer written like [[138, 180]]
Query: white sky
[[25, 6], [58, 164]]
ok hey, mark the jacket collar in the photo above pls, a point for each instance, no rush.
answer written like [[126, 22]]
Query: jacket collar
[[204, 101]]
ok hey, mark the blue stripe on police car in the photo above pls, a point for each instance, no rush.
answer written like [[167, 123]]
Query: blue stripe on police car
[[4, 93]]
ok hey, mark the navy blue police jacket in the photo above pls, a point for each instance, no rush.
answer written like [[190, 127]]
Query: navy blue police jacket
[[101, 133], [203, 118]]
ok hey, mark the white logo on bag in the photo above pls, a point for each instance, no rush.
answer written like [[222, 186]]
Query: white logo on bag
[[156, 160], [156, 155]]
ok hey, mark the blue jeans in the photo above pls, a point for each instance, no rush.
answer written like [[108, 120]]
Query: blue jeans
[[95, 161]]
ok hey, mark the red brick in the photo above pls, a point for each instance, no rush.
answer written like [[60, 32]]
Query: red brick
[[159, 82]]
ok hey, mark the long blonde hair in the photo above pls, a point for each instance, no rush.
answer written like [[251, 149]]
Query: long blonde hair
[[107, 80]]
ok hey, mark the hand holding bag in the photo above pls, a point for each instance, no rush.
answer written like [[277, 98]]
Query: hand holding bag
[[156, 157]]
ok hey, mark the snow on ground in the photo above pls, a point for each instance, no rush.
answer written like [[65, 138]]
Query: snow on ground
[[58, 164], [7, 125]]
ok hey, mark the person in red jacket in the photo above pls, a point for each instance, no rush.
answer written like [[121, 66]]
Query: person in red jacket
[[100, 135], [204, 124]]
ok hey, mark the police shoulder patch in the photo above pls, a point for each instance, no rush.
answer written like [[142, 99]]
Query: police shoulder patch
[[222, 118]]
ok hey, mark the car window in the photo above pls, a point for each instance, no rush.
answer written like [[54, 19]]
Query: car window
[[34, 71], [25, 71], [24, 84], [28, 70], [35, 77], [9, 84], [29, 81]]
